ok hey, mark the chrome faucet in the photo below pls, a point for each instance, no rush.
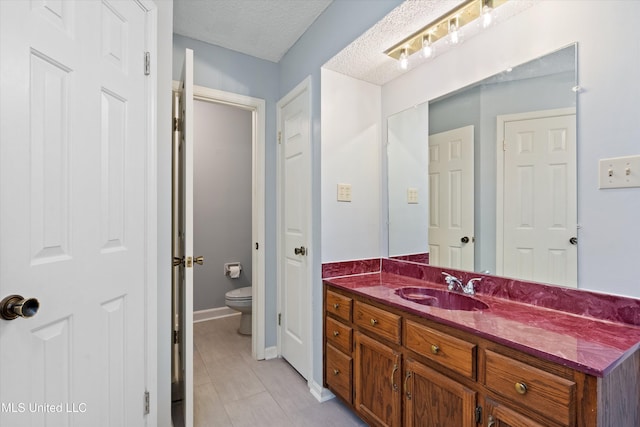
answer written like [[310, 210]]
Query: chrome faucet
[[453, 283]]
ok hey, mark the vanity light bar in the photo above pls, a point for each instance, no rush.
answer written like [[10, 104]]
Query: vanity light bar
[[467, 12]]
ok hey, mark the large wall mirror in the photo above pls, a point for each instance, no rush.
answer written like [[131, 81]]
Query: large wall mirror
[[484, 178]]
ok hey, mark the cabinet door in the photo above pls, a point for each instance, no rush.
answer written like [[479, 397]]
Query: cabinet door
[[378, 373], [501, 416], [434, 400]]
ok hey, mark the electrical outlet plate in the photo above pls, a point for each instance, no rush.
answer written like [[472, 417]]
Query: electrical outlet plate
[[619, 172], [412, 196], [344, 192]]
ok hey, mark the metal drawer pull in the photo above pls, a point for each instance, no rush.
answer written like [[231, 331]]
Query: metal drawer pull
[[434, 349], [336, 371], [336, 333], [491, 422], [336, 306], [406, 379], [393, 373], [374, 322], [521, 388]]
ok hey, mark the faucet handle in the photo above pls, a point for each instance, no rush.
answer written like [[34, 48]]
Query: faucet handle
[[469, 288]]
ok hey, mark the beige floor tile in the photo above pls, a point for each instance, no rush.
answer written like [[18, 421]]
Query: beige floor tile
[[331, 413], [288, 388], [208, 409], [234, 390], [200, 375], [233, 379], [258, 410]]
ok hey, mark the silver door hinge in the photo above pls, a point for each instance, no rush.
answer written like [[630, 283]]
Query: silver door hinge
[[478, 414], [147, 63], [177, 124], [146, 403], [279, 319], [279, 137]]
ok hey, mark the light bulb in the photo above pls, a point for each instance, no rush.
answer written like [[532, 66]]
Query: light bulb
[[487, 16], [427, 48], [453, 32], [404, 60]]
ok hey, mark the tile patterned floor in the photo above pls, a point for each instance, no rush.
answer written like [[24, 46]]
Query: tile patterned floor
[[232, 389]]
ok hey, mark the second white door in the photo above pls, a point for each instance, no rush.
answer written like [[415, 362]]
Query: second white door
[[451, 199], [295, 208]]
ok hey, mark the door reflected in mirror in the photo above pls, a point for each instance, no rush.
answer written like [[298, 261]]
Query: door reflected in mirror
[[521, 196]]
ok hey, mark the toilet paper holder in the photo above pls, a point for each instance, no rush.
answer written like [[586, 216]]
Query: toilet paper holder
[[228, 268]]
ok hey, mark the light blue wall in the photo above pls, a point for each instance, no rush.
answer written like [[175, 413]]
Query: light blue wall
[[223, 69], [340, 24], [222, 206]]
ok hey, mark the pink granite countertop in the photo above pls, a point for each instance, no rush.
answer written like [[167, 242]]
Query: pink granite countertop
[[583, 343]]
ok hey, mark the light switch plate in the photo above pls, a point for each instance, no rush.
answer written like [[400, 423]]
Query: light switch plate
[[619, 172], [412, 196], [344, 192]]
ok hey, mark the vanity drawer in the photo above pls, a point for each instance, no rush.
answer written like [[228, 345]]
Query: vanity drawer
[[377, 320], [338, 334], [339, 305], [528, 386], [339, 372], [451, 352]]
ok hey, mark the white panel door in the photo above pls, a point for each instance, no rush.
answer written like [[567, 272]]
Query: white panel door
[[540, 216], [451, 199], [73, 191], [184, 211], [295, 140]]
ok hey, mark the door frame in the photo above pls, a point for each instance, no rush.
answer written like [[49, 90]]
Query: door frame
[[303, 87], [257, 107], [151, 224], [500, 122]]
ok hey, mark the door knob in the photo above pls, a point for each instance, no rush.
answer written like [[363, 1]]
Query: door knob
[[199, 260], [465, 239], [300, 251], [573, 240], [15, 306]]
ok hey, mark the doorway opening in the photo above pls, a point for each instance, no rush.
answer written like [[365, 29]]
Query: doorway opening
[[229, 222]]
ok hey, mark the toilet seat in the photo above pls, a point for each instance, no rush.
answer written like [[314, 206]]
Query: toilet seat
[[240, 294]]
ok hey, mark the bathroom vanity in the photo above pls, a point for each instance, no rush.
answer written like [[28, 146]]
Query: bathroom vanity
[[400, 357]]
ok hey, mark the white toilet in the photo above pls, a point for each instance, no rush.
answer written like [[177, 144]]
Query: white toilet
[[240, 300]]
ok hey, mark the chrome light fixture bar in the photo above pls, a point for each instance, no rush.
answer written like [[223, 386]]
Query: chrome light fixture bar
[[462, 15]]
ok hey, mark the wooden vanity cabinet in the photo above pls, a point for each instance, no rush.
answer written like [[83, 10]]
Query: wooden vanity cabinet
[[398, 369], [432, 399], [378, 376], [500, 416]]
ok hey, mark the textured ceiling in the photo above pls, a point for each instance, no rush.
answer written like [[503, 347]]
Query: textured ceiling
[[262, 28], [364, 59]]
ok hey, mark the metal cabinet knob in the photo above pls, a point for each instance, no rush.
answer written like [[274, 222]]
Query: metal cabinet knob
[[336, 371], [336, 306], [15, 306], [336, 333], [521, 388], [435, 349], [300, 251], [374, 322]]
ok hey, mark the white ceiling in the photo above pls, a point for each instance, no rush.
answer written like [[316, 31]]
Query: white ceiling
[[262, 28]]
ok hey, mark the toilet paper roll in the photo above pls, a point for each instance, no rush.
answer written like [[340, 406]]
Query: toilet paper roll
[[234, 271]]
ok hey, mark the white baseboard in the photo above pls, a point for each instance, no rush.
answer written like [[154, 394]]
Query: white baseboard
[[320, 393], [213, 313], [270, 353]]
